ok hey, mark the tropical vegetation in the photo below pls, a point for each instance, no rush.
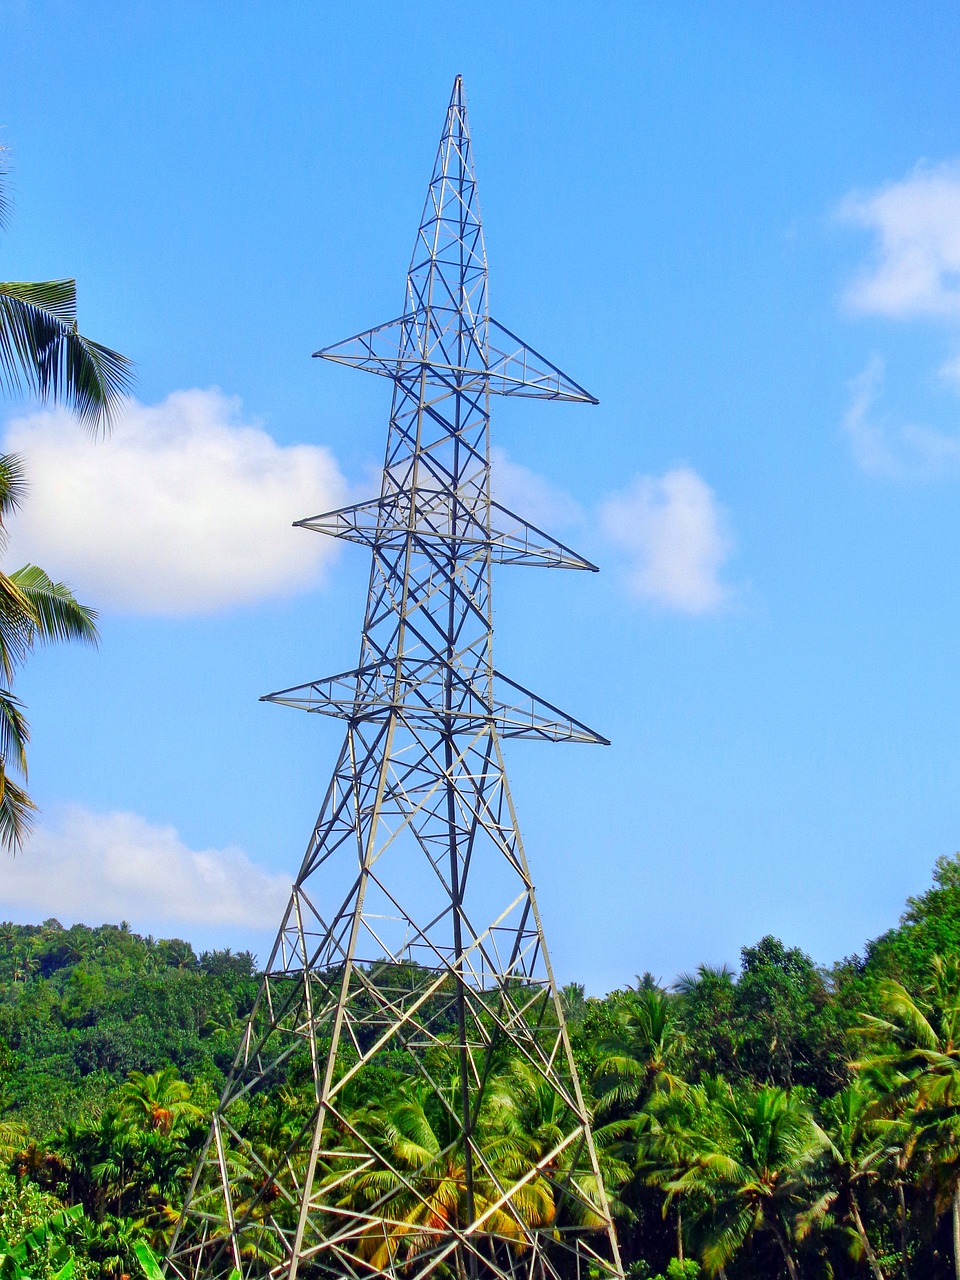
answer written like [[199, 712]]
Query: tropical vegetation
[[778, 1121]]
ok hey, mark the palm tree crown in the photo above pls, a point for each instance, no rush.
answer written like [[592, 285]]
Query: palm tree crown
[[43, 352]]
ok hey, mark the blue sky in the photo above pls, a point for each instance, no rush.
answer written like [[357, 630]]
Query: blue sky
[[738, 225]]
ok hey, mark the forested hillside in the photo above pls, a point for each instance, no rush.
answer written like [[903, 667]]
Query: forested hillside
[[781, 1120]]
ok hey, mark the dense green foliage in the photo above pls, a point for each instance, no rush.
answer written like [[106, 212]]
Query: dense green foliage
[[782, 1120]]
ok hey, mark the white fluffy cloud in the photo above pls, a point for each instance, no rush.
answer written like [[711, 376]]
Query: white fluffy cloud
[[186, 508], [530, 495], [676, 537], [671, 527], [916, 264], [117, 866], [895, 451]]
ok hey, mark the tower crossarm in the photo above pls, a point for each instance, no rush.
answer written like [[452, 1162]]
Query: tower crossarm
[[366, 693], [411, 346], [381, 522]]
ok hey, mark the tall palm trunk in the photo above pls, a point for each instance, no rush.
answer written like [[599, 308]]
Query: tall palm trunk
[[779, 1232], [956, 1231], [461, 1269], [862, 1233], [902, 1203], [679, 1232]]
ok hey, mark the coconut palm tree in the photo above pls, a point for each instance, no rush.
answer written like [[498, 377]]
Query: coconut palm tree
[[43, 352], [157, 1102], [856, 1144], [640, 1055], [706, 1008], [914, 1063], [101, 1157], [13, 1136], [416, 1193], [745, 1164], [668, 1134], [524, 1105], [273, 1148]]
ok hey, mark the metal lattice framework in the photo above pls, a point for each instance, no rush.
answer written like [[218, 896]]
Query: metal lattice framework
[[412, 938]]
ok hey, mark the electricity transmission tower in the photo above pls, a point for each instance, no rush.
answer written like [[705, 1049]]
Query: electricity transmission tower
[[412, 940]]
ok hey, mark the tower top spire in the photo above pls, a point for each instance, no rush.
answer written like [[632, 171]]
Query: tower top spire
[[446, 333], [448, 268]]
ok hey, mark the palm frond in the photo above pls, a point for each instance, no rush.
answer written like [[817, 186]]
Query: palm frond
[[94, 381], [33, 318], [13, 486], [14, 1135], [57, 613], [813, 1216], [5, 202], [41, 350], [728, 1228], [16, 814], [907, 1015], [16, 627], [14, 733]]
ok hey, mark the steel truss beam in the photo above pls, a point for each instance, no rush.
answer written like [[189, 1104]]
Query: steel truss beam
[[412, 939]]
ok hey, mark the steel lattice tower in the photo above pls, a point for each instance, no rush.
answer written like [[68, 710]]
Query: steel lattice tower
[[412, 938]]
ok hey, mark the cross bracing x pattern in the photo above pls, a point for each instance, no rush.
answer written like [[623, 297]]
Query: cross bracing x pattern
[[412, 950]]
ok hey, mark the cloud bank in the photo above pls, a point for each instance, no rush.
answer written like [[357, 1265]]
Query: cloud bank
[[117, 866], [185, 509], [672, 529], [916, 262], [914, 273], [675, 535], [901, 451]]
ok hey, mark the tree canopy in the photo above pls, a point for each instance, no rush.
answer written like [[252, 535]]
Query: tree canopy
[[780, 1120]]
